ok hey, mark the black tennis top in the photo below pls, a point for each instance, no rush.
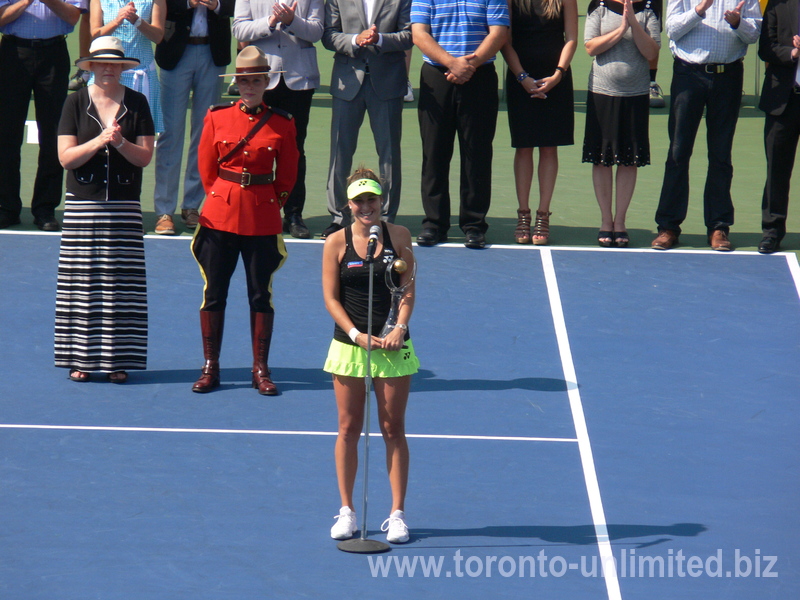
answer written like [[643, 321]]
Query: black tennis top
[[354, 287]]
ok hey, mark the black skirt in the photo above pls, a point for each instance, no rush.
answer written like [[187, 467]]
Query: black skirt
[[617, 130]]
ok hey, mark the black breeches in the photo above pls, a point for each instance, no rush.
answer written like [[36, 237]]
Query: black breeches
[[217, 253]]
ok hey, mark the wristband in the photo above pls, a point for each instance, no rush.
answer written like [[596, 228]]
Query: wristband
[[402, 326], [120, 145], [138, 22], [522, 76], [353, 333], [562, 69]]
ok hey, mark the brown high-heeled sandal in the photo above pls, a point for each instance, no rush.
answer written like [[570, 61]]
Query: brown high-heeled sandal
[[541, 228], [523, 231]]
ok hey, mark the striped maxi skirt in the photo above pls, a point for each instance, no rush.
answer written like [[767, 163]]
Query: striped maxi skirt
[[101, 300]]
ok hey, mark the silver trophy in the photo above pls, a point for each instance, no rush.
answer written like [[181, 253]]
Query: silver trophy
[[398, 266]]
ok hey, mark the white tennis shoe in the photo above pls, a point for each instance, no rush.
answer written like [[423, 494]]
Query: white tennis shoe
[[345, 525], [396, 528]]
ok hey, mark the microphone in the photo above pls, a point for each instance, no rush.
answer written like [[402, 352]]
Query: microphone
[[374, 233]]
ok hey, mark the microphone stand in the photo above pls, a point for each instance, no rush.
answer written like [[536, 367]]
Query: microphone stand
[[363, 545]]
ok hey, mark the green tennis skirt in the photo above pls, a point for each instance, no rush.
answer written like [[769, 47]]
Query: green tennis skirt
[[351, 361]]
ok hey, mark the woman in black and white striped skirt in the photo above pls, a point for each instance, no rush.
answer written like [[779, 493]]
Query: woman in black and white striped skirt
[[105, 138]]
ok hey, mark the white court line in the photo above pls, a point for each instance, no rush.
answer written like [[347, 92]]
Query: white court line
[[794, 269], [273, 432], [455, 245], [579, 419]]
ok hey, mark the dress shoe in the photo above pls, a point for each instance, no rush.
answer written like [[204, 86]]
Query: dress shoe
[[474, 238], [665, 240], [431, 237], [165, 225], [769, 244], [330, 229], [8, 221], [294, 226], [47, 224], [190, 217], [719, 241]]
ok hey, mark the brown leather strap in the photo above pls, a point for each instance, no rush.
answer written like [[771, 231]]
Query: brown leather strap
[[245, 179], [261, 122]]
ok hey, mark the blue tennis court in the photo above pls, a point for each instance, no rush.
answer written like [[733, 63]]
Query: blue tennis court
[[587, 424]]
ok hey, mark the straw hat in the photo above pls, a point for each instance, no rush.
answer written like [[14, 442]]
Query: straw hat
[[251, 61], [107, 49]]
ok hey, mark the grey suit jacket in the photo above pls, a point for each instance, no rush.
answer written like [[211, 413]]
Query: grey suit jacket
[[289, 49], [386, 64]]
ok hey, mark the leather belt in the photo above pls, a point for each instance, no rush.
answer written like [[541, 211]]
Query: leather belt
[[198, 41], [34, 43], [245, 179], [712, 68]]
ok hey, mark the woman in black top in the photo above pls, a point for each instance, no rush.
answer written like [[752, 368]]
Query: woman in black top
[[345, 281], [105, 138]]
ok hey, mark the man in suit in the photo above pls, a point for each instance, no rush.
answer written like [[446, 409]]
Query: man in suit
[[287, 34], [779, 47], [193, 54], [369, 75]]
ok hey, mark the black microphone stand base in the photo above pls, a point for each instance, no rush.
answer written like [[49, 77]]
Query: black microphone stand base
[[363, 546]]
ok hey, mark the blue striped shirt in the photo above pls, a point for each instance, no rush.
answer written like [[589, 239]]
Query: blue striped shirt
[[711, 40], [38, 22], [459, 26]]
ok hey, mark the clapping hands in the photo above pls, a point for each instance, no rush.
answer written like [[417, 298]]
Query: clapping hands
[[734, 17]]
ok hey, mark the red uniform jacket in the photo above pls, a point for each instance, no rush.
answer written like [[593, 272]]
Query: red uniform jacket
[[252, 209]]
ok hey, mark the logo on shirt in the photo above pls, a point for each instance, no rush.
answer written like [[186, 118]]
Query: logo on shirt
[[354, 264]]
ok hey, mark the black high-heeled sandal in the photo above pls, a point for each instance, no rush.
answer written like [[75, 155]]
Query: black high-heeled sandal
[[605, 238], [621, 239]]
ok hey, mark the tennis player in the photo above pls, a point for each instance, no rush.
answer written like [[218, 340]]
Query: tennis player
[[345, 284]]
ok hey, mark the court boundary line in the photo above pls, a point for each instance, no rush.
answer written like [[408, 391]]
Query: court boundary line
[[458, 245], [111, 428], [607, 561], [794, 269]]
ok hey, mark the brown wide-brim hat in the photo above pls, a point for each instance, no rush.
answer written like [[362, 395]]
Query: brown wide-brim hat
[[107, 49], [251, 61]]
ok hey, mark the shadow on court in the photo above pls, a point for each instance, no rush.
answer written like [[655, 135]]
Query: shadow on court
[[576, 534]]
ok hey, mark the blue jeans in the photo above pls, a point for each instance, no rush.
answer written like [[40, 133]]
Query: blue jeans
[[693, 91], [195, 74]]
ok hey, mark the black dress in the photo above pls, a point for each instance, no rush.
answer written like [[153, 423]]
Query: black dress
[[534, 122]]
